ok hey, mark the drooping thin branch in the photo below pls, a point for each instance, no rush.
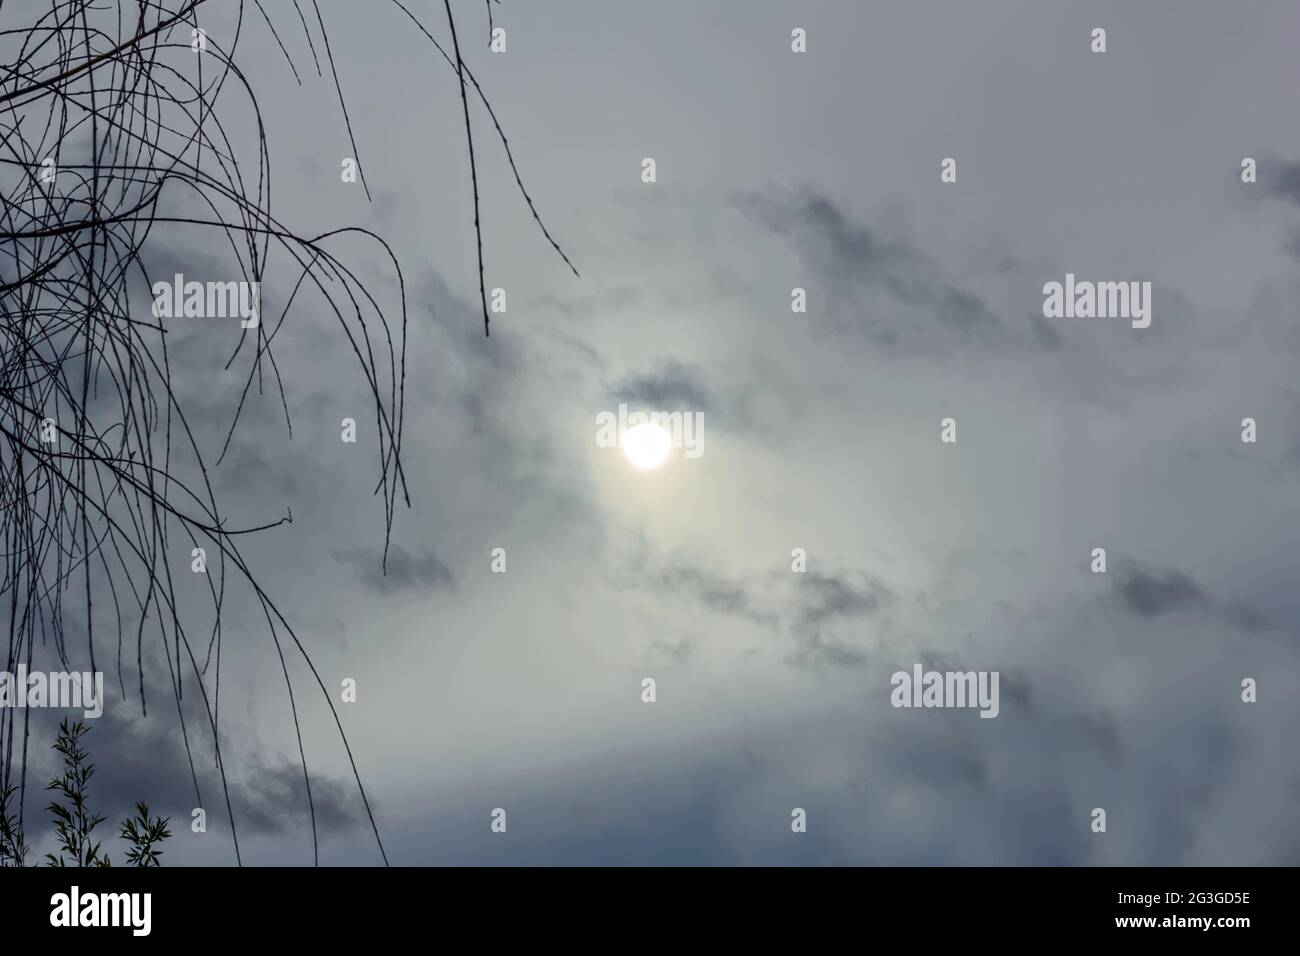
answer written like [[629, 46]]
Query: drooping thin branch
[[117, 144], [473, 166]]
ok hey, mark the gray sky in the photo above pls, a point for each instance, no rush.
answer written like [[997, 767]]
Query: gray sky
[[821, 431]]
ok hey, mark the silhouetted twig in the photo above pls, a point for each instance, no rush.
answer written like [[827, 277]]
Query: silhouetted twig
[[118, 138]]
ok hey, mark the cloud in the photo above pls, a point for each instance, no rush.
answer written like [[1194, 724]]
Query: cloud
[[1014, 686], [1150, 593], [272, 798], [712, 591], [822, 597], [808, 607], [677, 651], [1284, 181], [820, 600], [672, 386], [788, 705], [1244, 616], [422, 571], [826, 235], [145, 760], [871, 276]]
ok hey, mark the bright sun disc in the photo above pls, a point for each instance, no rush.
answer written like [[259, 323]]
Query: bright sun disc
[[647, 445]]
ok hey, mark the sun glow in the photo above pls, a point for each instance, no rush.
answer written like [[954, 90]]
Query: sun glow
[[647, 445]]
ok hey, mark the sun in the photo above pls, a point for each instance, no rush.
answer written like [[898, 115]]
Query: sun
[[647, 445]]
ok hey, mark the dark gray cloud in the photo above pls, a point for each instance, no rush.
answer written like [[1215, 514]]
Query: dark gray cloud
[[822, 597], [1047, 335], [1283, 180], [670, 386], [820, 615], [1015, 687], [1100, 732], [826, 234], [712, 591], [274, 799], [822, 602], [827, 618], [809, 606], [1243, 615], [858, 260], [140, 759], [1151, 592], [403, 571], [966, 313], [1148, 593], [676, 651], [731, 399]]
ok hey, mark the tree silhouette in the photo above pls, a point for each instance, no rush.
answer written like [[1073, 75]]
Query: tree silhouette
[[119, 134]]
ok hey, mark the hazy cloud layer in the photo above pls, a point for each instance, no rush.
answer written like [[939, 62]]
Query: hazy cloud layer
[[522, 690]]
